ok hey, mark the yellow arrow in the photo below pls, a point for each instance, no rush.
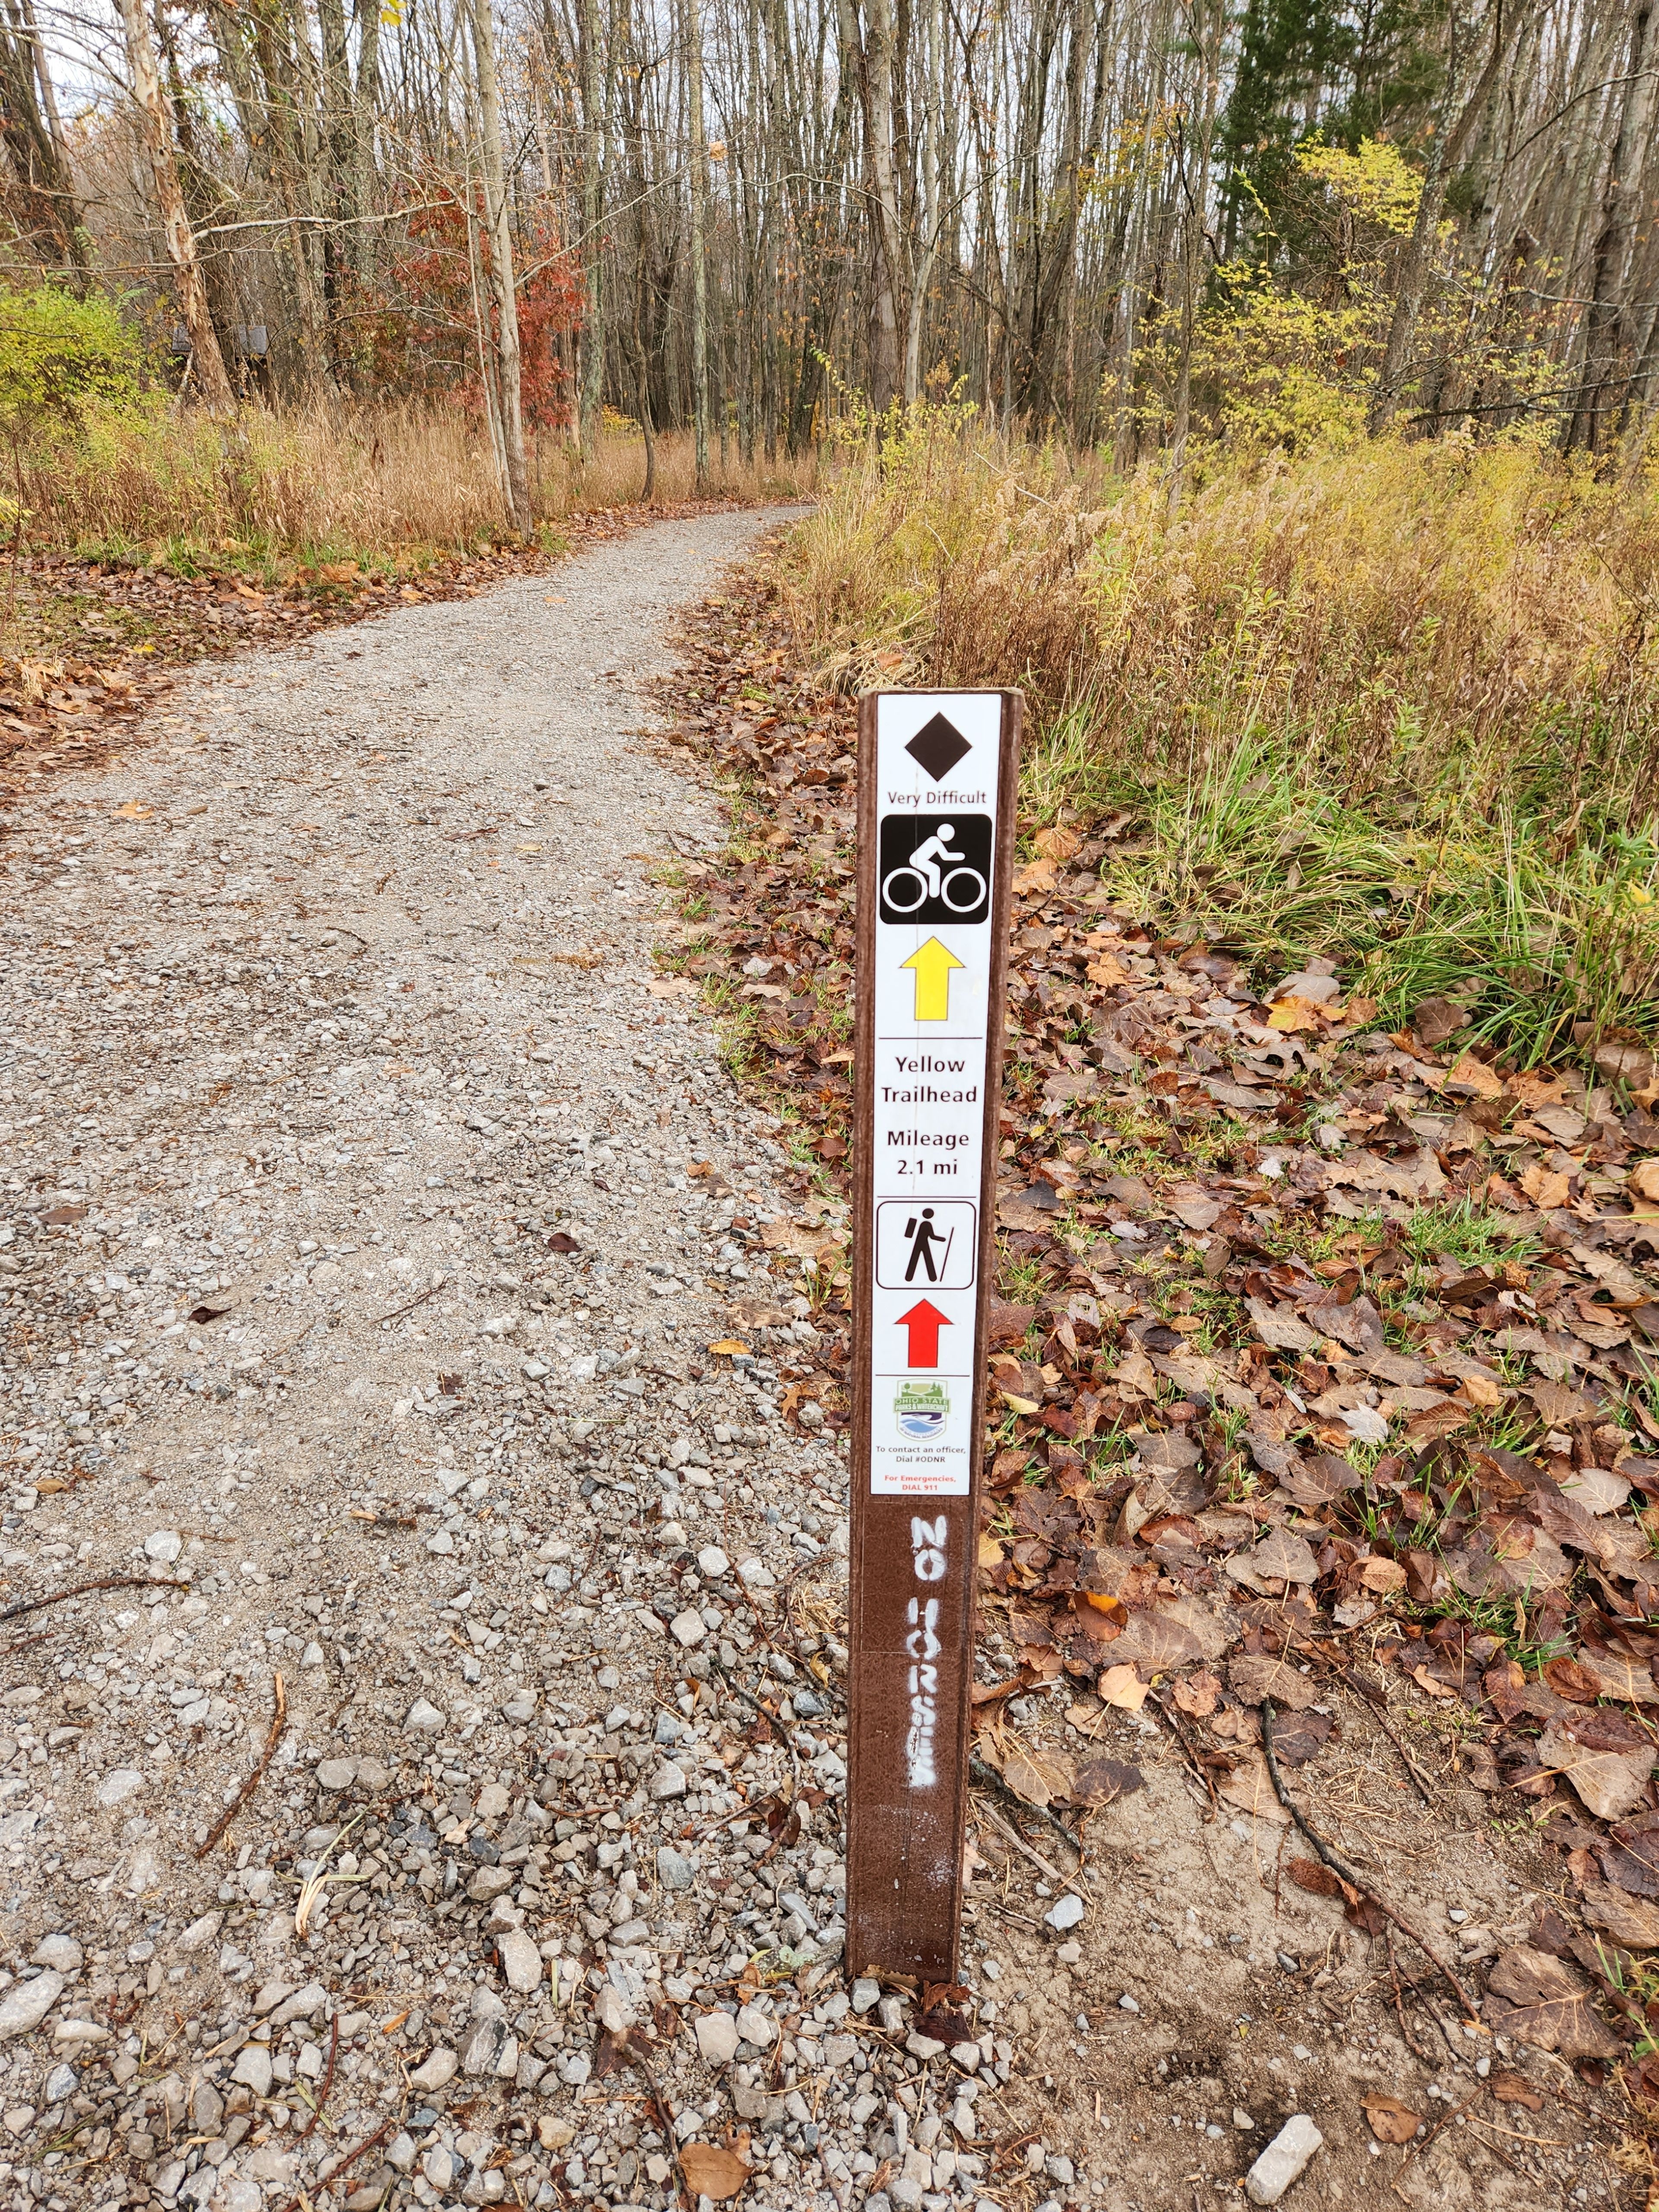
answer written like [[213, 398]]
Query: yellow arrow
[[933, 963]]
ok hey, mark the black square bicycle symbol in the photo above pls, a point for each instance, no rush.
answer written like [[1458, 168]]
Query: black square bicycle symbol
[[935, 868]]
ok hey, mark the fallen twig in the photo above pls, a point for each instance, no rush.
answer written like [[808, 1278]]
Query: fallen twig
[[986, 1775], [1538, 2142], [282, 1350], [278, 1722], [632, 2049], [1417, 1780], [419, 1299], [79, 1590], [1345, 1872], [351, 2158], [327, 2081], [1186, 1750], [1007, 1829], [1416, 2151], [1422, 2056]]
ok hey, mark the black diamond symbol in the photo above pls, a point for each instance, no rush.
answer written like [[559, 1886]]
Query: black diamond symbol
[[937, 746]]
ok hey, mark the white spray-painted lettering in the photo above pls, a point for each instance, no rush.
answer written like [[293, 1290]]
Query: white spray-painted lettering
[[928, 1539]]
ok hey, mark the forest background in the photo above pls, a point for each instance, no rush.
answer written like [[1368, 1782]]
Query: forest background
[[1269, 389]]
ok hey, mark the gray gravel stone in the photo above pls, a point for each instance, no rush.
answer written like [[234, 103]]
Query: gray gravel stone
[[717, 2037], [26, 2004], [253, 2068], [436, 2071], [521, 1962]]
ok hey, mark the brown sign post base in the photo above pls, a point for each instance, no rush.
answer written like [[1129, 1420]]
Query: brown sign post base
[[937, 785]]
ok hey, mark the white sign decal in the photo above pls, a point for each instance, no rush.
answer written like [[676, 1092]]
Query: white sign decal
[[937, 781]]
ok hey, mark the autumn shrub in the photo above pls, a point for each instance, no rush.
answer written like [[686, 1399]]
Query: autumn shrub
[[1395, 701]]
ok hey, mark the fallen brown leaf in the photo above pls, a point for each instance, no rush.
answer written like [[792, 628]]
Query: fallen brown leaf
[[1515, 2089], [1389, 2121], [1196, 1694], [1544, 2002], [713, 2173]]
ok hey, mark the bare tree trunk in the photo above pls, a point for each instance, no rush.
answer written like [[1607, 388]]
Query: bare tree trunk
[[367, 109], [508, 372], [42, 200], [1471, 88], [1191, 251], [933, 119], [210, 378], [1606, 336], [699, 262], [872, 55], [592, 201]]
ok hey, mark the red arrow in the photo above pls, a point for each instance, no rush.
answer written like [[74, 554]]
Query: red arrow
[[924, 1322]]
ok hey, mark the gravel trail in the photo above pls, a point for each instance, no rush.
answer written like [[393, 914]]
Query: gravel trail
[[329, 1023], [371, 1211]]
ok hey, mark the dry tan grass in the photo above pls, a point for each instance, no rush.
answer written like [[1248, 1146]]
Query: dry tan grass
[[1366, 610], [372, 483]]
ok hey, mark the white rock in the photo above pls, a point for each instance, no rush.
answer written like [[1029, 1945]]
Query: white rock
[[119, 1785], [62, 1952], [754, 2027], [519, 1708], [424, 1719], [521, 1962], [713, 1563], [270, 2162], [335, 1774], [667, 1782], [687, 1628], [253, 2068], [26, 2004], [754, 1574], [1285, 2160], [437, 2071], [717, 2037], [312, 1655], [200, 1933], [164, 1546], [74, 2034], [1065, 1912]]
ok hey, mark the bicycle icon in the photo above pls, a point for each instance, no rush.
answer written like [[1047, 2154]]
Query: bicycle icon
[[935, 869]]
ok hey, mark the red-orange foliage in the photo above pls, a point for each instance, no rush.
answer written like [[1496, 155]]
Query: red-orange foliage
[[423, 335]]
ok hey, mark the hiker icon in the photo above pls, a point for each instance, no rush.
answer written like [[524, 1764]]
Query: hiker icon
[[935, 868], [935, 1244], [923, 1236]]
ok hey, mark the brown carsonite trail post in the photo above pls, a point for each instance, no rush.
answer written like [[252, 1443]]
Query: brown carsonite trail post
[[936, 783]]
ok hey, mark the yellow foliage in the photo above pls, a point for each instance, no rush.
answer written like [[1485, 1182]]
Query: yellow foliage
[[1295, 365], [1288, 370], [1376, 184]]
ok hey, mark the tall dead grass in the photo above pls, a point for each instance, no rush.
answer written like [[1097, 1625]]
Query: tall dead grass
[[374, 482], [1388, 612], [1398, 704]]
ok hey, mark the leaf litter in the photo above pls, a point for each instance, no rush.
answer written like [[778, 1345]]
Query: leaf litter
[[1314, 1346]]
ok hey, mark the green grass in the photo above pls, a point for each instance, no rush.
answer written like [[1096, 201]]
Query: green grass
[[1431, 896], [1462, 1230]]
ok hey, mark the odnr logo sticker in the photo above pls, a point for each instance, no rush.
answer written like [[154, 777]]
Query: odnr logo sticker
[[920, 1408]]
